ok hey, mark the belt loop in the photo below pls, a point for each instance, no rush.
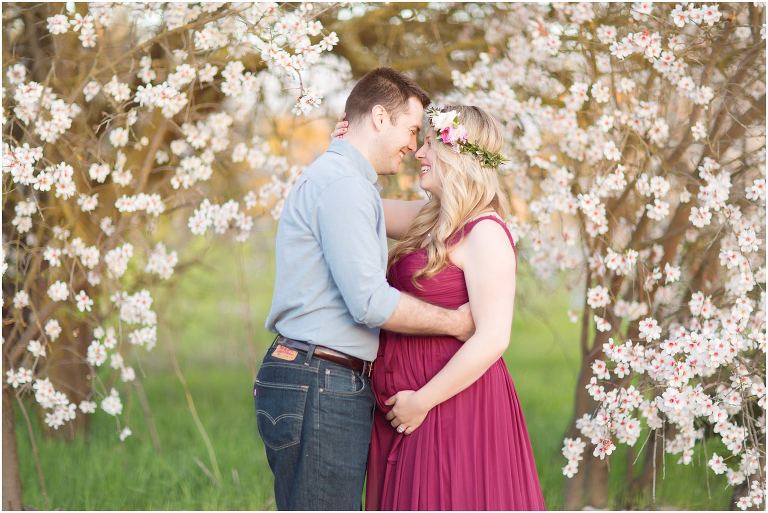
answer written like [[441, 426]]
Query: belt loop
[[275, 340], [310, 353]]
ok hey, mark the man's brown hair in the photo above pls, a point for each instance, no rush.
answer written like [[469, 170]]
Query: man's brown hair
[[385, 87]]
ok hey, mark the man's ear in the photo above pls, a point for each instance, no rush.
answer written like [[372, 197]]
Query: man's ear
[[378, 116]]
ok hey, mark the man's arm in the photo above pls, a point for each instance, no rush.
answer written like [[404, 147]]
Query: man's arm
[[416, 317], [351, 248]]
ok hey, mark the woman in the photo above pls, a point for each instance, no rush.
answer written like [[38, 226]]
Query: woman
[[449, 433]]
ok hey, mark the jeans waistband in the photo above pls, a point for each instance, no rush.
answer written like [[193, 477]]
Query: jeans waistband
[[326, 353]]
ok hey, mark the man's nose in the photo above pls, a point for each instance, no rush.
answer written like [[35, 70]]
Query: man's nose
[[413, 143]]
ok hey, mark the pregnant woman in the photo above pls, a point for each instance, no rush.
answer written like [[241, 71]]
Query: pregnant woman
[[449, 433]]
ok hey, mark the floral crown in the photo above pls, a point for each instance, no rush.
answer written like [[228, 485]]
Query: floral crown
[[454, 134]]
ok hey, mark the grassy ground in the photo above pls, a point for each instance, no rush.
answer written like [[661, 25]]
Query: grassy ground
[[213, 328]]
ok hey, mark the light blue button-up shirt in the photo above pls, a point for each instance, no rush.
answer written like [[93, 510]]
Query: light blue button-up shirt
[[331, 252]]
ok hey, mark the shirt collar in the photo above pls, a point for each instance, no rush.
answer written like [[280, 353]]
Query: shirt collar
[[345, 149]]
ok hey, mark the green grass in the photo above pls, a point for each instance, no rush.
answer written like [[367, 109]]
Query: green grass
[[212, 322], [99, 472]]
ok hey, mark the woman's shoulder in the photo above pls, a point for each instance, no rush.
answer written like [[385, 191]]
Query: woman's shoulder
[[488, 220], [482, 233], [492, 216], [488, 228]]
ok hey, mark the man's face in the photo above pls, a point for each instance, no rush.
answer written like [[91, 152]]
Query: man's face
[[399, 138]]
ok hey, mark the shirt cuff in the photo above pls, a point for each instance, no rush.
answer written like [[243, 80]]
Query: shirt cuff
[[383, 305]]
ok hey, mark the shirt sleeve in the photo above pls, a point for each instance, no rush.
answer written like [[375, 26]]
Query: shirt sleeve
[[352, 250]]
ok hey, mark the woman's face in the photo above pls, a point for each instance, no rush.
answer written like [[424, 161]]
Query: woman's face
[[428, 177]]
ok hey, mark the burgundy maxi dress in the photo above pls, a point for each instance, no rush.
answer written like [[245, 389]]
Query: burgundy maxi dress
[[472, 452]]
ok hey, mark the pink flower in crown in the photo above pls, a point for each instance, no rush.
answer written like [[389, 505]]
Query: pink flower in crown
[[445, 135], [453, 136]]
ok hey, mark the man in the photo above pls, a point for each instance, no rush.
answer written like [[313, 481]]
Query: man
[[313, 399]]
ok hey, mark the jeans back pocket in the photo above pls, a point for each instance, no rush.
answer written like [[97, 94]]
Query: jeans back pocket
[[280, 413]]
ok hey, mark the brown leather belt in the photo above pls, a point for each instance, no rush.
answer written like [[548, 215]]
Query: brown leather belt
[[326, 353]]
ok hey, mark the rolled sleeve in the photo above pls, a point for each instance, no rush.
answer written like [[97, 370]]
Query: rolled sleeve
[[347, 218]]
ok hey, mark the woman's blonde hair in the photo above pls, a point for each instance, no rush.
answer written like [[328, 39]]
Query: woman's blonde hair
[[468, 189]]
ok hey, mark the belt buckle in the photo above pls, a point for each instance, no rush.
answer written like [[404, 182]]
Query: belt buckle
[[370, 369]]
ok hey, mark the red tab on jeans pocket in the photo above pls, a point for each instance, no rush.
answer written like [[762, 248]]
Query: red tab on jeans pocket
[[285, 353]]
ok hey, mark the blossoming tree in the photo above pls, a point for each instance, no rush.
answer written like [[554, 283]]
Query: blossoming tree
[[114, 116], [638, 146]]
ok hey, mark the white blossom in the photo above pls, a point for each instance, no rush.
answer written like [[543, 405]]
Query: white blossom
[[112, 404], [58, 291]]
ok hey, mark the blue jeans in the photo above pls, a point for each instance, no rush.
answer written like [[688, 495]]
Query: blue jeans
[[315, 419]]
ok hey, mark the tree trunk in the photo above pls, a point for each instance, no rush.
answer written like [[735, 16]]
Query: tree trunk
[[639, 488], [11, 478], [597, 483], [589, 487], [70, 374], [574, 498]]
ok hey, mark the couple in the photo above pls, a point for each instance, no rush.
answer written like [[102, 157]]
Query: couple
[[426, 404]]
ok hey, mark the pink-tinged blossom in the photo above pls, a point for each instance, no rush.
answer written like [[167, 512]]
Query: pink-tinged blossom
[[604, 448], [710, 14], [20, 300], [658, 211], [98, 172], [601, 324], [118, 137], [87, 406], [748, 242], [672, 273], [163, 96], [606, 34], [611, 152], [600, 370], [699, 131], [15, 379], [650, 329], [36, 348], [161, 262], [84, 303], [17, 74], [112, 404], [90, 90], [52, 329], [182, 76], [119, 91], [597, 297], [88, 203], [152, 204], [125, 433], [117, 259], [307, 102], [700, 217], [573, 449], [756, 191], [96, 354], [58, 291], [127, 374]]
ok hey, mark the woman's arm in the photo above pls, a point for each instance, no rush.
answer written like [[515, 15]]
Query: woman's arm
[[489, 269], [399, 215]]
